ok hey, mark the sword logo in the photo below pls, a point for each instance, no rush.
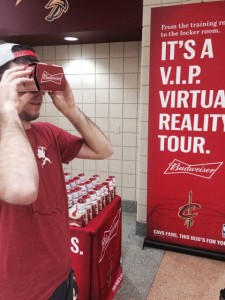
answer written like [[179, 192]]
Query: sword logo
[[187, 212], [58, 7]]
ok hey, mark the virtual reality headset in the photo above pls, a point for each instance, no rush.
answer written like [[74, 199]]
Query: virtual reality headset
[[46, 77]]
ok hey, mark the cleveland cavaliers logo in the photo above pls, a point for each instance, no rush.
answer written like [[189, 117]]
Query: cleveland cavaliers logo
[[188, 212], [58, 7]]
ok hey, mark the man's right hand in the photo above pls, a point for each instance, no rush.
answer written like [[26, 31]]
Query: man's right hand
[[11, 79]]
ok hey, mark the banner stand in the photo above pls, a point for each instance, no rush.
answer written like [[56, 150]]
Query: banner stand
[[183, 249], [186, 130]]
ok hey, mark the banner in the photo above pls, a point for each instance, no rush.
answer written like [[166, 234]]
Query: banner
[[186, 169]]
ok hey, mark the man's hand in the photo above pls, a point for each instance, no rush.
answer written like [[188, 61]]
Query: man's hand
[[63, 100], [10, 99]]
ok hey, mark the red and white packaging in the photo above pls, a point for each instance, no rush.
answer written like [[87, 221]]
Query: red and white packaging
[[82, 177], [88, 185], [83, 188], [97, 177], [72, 183], [111, 187], [97, 189], [78, 216], [46, 78], [94, 203], [88, 207], [93, 181], [68, 187], [77, 180], [104, 195], [107, 192], [79, 190], [69, 199], [75, 195], [113, 178], [67, 176]]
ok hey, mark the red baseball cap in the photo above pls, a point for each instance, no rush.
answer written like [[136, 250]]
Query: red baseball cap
[[6, 54]]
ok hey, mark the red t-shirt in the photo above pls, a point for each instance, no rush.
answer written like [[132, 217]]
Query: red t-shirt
[[34, 239]]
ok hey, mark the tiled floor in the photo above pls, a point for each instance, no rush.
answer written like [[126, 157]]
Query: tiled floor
[[188, 277], [152, 274]]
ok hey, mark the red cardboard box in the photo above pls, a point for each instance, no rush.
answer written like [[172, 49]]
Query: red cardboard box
[[46, 78]]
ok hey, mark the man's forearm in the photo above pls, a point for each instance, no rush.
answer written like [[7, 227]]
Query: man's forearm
[[94, 138], [18, 168]]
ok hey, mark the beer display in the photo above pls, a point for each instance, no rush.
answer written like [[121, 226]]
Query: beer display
[[87, 198]]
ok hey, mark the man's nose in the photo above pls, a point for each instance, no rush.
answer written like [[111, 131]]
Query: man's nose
[[41, 93]]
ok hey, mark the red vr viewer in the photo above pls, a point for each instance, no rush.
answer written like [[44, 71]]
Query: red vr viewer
[[46, 78]]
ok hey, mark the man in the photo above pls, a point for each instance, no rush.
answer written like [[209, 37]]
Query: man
[[34, 234]]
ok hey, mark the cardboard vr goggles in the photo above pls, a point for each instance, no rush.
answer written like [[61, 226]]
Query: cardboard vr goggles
[[46, 78]]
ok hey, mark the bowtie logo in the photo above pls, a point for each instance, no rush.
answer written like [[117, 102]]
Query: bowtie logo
[[55, 78], [58, 7], [206, 170], [110, 234]]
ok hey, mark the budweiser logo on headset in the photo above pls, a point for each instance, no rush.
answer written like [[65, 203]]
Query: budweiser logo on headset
[[55, 78], [46, 78]]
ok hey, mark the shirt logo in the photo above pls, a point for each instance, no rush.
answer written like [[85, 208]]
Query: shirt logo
[[41, 153]]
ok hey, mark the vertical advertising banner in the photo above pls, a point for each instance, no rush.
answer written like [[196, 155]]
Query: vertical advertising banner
[[186, 158]]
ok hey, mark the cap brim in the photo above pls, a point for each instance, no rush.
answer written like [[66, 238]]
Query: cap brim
[[6, 54]]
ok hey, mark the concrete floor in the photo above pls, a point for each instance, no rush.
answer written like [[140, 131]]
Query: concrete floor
[[140, 266]]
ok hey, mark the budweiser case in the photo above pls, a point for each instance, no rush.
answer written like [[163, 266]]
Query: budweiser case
[[46, 78]]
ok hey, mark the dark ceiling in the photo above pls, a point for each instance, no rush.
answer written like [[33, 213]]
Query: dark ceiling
[[91, 21]]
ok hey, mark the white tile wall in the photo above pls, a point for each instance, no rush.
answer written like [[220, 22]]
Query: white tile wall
[[111, 84], [105, 82]]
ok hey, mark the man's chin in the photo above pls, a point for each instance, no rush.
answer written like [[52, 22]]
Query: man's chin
[[28, 117]]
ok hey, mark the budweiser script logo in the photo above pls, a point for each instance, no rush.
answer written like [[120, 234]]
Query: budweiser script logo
[[58, 7], [202, 170], [110, 234], [56, 78]]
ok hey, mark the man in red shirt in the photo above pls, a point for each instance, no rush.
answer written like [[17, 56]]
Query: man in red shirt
[[35, 259]]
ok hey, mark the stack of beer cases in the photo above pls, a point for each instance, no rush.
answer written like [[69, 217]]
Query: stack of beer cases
[[87, 197]]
